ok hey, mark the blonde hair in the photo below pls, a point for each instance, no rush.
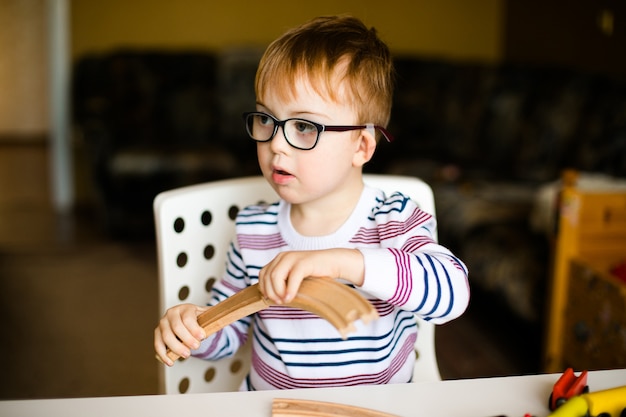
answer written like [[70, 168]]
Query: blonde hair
[[329, 51]]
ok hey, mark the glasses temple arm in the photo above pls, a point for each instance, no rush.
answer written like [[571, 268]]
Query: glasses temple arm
[[372, 129]]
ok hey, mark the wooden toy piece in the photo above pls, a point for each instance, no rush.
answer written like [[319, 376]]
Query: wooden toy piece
[[282, 407], [335, 302], [339, 304], [239, 305]]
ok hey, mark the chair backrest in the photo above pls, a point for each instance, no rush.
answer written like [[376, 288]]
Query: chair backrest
[[194, 225]]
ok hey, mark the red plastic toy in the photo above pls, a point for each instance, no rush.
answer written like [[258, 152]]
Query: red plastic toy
[[568, 386]]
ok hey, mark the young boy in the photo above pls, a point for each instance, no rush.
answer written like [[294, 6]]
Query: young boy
[[324, 92]]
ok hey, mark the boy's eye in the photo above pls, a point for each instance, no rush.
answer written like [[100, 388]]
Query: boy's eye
[[302, 126], [265, 120]]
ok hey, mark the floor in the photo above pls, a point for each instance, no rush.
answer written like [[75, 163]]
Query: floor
[[79, 308]]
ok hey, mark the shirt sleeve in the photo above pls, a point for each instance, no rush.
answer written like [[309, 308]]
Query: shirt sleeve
[[410, 269], [228, 340]]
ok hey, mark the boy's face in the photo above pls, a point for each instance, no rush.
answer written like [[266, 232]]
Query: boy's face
[[332, 167]]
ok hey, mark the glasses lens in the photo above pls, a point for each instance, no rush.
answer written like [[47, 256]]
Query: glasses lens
[[301, 133], [260, 126]]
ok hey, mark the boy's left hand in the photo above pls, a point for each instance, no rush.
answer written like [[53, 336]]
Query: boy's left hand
[[280, 279]]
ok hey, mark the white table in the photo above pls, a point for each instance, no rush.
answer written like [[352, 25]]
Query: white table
[[487, 397]]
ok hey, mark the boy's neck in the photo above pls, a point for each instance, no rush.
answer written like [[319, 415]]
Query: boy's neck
[[326, 216]]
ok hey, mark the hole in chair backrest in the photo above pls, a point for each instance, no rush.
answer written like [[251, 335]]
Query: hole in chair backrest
[[235, 366], [206, 217], [181, 259], [183, 385], [183, 293], [209, 251], [179, 224], [209, 375], [209, 284], [232, 212]]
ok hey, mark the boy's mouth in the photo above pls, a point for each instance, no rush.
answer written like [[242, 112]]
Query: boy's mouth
[[277, 169], [281, 176]]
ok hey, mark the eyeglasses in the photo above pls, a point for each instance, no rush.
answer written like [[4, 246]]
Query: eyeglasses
[[300, 133]]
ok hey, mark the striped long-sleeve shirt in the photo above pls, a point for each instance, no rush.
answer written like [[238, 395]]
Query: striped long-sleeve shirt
[[406, 273]]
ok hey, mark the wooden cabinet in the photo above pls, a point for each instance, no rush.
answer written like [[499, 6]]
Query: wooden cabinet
[[594, 328], [591, 236]]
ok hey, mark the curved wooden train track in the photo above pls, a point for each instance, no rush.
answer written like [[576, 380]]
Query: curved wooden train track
[[282, 407], [340, 304]]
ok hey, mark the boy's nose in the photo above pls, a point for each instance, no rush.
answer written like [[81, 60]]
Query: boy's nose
[[279, 141]]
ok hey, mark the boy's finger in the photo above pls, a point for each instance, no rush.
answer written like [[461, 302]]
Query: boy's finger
[[183, 339], [190, 320], [272, 293], [160, 349], [293, 286]]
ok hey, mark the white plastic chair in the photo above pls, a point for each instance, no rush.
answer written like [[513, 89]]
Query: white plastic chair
[[194, 225]]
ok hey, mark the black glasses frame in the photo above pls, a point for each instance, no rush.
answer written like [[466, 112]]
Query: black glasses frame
[[320, 128]]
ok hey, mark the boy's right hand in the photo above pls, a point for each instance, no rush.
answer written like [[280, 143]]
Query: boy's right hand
[[179, 331]]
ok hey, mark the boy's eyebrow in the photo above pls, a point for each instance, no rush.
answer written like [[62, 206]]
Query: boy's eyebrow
[[263, 108], [300, 113], [297, 114]]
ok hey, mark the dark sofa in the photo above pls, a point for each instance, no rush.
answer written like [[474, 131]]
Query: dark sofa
[[486, 137]]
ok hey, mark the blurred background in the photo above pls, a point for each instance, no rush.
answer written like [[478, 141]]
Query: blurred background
[[105, 104]]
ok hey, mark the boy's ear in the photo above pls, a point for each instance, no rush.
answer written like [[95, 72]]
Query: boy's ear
[[365, 149]]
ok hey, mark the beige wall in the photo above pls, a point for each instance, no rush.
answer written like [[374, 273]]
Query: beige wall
[[23, 103], [23, 68], [457, 29], [453, 28]]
